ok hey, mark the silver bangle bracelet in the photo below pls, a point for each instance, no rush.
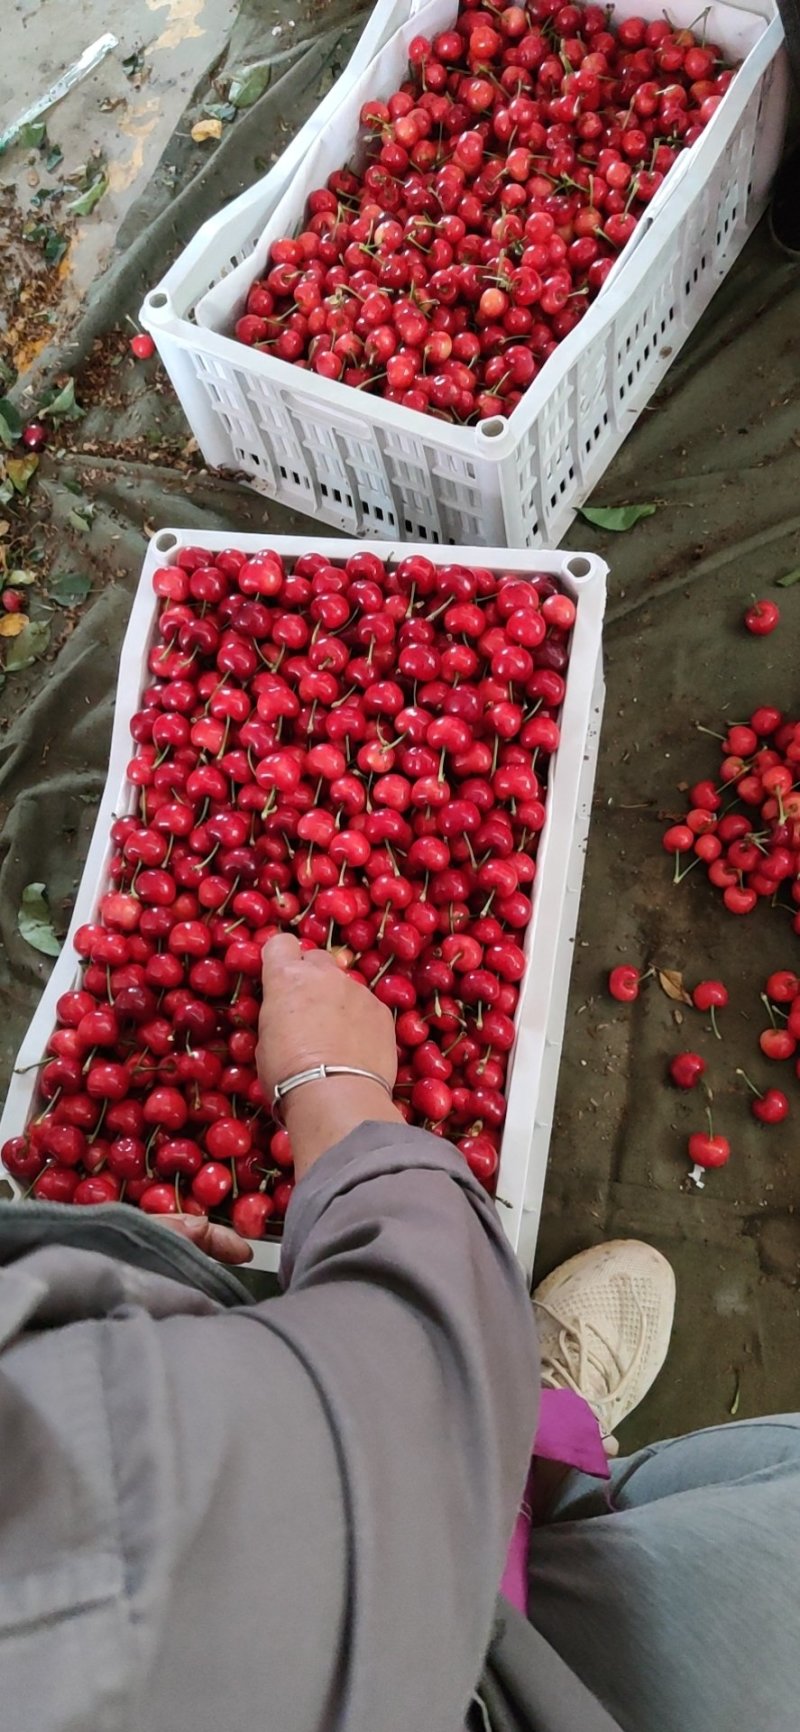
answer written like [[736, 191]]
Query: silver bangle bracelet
[[320, 1073]]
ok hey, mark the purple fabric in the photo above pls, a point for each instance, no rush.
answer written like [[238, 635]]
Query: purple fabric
[[567, 1432]]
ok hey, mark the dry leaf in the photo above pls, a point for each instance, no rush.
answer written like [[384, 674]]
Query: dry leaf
[[12, 624], [4, 526], [671, 982], [204, 129]]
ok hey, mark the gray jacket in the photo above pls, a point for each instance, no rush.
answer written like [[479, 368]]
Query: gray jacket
[[218, 1516]]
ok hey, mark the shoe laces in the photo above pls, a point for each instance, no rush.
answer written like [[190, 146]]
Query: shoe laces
[[583, 1355]]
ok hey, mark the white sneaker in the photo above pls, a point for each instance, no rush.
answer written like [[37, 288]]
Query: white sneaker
[[604, 1320]]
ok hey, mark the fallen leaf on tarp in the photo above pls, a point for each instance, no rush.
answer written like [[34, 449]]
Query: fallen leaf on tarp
[[205, 129], [81, 519], [10, 423], [84, 205], [249, 84], [69, 588], [11, 624], [616, 517], [62, 405], [28, 647], [220, 110], [52, 242], [31, 135], [21, 470], [33, 920], [790, 578], [671, 982]]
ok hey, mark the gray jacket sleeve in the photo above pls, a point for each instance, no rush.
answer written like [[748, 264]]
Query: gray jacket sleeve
[[292, 1515]]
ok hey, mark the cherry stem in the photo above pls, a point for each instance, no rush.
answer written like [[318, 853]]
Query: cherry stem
[[768, 1007], [751, 1085], [714, 1022]]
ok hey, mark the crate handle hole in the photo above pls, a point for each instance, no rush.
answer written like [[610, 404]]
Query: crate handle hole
[[578, 566], [158, 300], [492, 427], [166, 541]]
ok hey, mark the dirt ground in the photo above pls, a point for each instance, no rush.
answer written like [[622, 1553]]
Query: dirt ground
[[717, 453]]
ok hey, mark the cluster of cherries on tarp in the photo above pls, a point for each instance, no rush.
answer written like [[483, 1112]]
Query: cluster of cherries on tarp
[[354, 752], [499, 184]]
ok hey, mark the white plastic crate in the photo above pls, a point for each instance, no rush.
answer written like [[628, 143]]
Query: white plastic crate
[[376, 469], [550, 935]]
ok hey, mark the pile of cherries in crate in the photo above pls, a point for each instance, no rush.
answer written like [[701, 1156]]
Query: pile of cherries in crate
[[357, 753], [499, 184]]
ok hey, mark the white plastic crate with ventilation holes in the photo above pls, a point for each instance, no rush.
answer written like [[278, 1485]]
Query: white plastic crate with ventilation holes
[[556, 892], [376, 469]]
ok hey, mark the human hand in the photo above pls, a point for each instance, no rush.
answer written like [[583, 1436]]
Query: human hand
[[311, 1014], [223, 1244]]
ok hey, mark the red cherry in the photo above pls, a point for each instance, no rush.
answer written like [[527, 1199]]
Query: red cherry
[[762, 618], [56, 1185], [142, 346], [777, 1043], [710, 995], [251, 1213], [686, 1069], [623, 982], [212, 1184]]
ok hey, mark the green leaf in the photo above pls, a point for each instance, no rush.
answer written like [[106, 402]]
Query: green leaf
[[28, 647], [21, 470], [220, 110], [69, 588], [790, 578], [249, 84], [616, 517], [62, 405], [8, 374], [55, 155], [33, 920], [6, 490], [81, 520], [52, 242], [10, 422], [84, 205], [32, 135]]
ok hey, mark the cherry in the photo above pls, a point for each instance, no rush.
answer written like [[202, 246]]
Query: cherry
[[706, 1150], [56, 1185], [762, 618], [777, 1043], [34, 436], [783, 986], [686, 1069], [228, 1138], [770, 1106], [710, 995], [142, 346], [158, 1200], [623, 982], [212, 1184], [251, 1213]]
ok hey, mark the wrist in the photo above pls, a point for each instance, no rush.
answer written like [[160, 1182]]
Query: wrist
[[323, 1112]]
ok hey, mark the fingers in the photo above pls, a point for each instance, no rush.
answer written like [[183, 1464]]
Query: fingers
[[221, 1243], [279, 952]]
